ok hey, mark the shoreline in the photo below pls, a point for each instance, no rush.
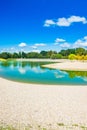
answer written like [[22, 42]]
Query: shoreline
[[43, 84], [42, 104], [68, 65], [62, 64], [43, 60]]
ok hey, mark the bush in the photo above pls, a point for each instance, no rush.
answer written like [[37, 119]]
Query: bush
[[72, 57]]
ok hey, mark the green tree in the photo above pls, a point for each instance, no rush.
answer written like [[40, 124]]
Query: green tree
[[15, 55], [80, 51], [5, 55], [24, 55], [72, 57], [32, 55], [43, 54]]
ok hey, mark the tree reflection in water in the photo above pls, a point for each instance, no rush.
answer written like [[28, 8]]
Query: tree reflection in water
[[39, 73], [73, 74]]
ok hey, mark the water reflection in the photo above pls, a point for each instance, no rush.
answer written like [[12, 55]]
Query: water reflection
[[34, 72], [60, 74], [23, 67], [38, 70], [36, 67], [84, 78], [78, 74], [22, 63], [73, 74]]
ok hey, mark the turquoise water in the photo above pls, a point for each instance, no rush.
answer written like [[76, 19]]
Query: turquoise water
[[33, 72]]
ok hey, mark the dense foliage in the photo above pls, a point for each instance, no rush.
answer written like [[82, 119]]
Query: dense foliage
[[78, 54]]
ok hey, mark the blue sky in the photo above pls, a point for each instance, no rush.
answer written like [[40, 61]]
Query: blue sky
[[36, 25]]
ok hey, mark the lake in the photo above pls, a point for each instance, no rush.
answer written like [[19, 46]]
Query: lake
[[33, 72]]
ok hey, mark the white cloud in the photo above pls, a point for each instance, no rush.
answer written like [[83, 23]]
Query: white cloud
[[81, 42], [22, 44], [40, 44], [34, 47], [70, 20], [63, 22], [59, 40], [56, 43], [49, 23], [36, 51], [77, 19], [78, 43], [12, 48], [3, 50], [65, 45], [85, 38], [62, 43], [66, 22]]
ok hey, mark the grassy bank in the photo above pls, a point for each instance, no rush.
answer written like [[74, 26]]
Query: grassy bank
[[58, 126], [1, 59]]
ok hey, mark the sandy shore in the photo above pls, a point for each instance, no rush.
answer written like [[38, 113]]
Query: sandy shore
[[69, 65], [42, 105], [43, 60]]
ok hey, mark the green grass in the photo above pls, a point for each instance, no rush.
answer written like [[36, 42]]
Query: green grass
[[44, 129], [2, 59], [10, 59], [59, 126], [76, 125], [7, 128], [83, 127]]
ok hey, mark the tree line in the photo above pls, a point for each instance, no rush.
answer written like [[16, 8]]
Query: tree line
[[76, 53]]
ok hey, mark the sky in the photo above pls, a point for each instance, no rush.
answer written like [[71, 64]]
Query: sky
[[36, 25]]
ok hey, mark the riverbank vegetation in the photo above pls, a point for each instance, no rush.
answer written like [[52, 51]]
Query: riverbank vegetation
[[72, 54], [1, 59], [49, 127]]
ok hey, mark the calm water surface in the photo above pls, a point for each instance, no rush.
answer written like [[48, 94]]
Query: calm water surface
[[33, 72]]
